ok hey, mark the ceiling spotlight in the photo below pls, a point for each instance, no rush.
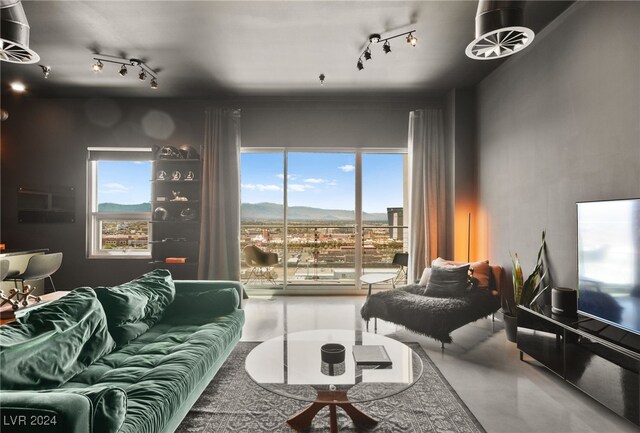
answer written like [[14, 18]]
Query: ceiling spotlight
[[46, 70], [412, 40], [322, 77], [18, 87], [144, 72], [375, 38]]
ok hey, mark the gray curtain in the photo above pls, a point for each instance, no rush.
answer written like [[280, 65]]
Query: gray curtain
[[427, 237], [219, 257]]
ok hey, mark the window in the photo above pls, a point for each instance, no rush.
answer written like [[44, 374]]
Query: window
[[119, 211], [329, 216]]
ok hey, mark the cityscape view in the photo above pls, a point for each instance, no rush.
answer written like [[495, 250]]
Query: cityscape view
[[318, 244]]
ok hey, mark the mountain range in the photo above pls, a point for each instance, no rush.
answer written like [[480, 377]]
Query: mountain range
[[273, 211], [116, 207], [265, 212]]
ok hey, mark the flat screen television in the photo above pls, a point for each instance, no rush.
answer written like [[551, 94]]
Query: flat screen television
[[609, 261]]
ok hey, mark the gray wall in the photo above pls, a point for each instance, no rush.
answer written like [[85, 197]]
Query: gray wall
[[462, 174], [44, 143], [560, 123]]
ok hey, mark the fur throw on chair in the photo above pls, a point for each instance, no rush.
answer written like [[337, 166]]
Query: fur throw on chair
[[431, 316]]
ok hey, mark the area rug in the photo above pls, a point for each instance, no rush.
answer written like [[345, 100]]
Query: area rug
[[234, 403]]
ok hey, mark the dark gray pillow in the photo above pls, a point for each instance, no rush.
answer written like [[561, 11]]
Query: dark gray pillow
[[448, 282]]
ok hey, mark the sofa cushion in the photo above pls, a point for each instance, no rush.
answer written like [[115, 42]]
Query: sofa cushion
[[109, 405], [159, 369], [133, 307], [53, 343], [448, 281], [208, 303]]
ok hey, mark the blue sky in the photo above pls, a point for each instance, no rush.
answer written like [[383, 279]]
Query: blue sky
[[322, 180], [124, 182]]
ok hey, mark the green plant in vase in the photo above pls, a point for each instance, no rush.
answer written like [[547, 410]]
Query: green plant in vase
[[524, 291]]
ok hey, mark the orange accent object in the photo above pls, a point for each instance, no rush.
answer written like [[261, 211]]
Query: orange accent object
[[2, 247], [175, 260]]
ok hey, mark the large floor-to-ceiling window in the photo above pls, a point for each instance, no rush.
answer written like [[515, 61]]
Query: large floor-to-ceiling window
[[328, 216]]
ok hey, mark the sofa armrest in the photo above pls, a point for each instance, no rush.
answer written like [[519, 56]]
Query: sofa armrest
[[195, 286], [45, 412]]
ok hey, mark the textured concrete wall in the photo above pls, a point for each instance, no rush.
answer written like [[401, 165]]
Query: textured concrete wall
[[560, 123]]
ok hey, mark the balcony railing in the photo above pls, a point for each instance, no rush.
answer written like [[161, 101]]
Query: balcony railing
[[321, 255]]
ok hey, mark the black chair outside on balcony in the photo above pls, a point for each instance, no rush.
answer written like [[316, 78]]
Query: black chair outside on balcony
[[39, 266], [261, 264], [402, 260], [4, 269]]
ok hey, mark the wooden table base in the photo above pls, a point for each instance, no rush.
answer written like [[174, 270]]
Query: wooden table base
[[302, 420]]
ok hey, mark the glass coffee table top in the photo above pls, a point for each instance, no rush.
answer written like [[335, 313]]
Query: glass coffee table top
[[290, 365]]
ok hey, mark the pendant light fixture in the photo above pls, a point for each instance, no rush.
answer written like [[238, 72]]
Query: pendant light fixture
[[499, 30], [14, 34]]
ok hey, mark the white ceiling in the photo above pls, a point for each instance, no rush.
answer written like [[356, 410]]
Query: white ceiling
[[208, 48]]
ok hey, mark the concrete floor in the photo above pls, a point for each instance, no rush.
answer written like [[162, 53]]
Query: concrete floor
[[505, 394]]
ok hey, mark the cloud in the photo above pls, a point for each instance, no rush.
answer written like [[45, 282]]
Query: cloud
[[298, 187], [347, 168], [315, 180], [260, 187], [289, 176], [332, 183], [114, 188]]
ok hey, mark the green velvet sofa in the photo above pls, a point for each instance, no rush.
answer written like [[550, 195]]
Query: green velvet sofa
[[129, 359]]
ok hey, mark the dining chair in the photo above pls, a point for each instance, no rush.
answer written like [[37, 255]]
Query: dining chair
[[39, 266]]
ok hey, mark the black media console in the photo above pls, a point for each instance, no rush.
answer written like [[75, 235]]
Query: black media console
[[599, 359]]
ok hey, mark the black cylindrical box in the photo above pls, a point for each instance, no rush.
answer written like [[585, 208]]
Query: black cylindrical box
[[564, 301], [332, 353]]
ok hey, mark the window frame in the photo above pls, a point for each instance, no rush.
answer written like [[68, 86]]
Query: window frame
[[359, 226], [94, 218]]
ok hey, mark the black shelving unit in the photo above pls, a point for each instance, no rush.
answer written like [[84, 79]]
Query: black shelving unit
[[175, 200]]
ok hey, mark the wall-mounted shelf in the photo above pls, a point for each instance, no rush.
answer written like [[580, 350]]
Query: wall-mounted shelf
[[176, 236], [46, 205]]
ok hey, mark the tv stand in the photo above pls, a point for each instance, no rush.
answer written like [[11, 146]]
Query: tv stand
[[600, 359]]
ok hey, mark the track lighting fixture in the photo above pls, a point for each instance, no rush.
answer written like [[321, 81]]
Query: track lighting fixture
[[375, 38], [145, 71], [322, 77], [46, 70]]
